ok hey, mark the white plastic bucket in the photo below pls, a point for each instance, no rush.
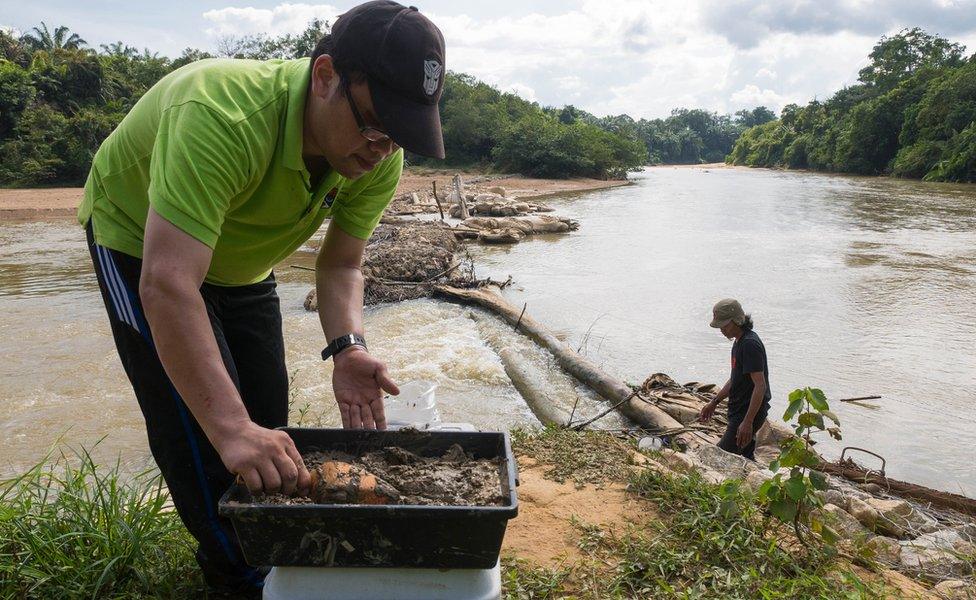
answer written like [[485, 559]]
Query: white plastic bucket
[[414, 407]]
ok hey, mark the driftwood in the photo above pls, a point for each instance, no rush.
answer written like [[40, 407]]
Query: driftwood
[[572, 362], [850, 470], [544, 410]]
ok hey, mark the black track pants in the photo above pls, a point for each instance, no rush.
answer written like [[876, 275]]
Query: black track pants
[[246, 322]]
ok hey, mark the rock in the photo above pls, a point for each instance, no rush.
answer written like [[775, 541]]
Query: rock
[[884, 549], [872, 488], [863, 512], [677, 461], [937, 555], [766, 454], [728, 464], [955, 589], [842, 522], [771, 434], [837, 498], [898, 518], [311, 301], [755, 479], [498, 190], [713, 477], [968, 532], [500, 236]]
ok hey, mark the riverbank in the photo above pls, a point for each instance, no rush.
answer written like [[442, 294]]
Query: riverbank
[[597, 519], [42, 203]]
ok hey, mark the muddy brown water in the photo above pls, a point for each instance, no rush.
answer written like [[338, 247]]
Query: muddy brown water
[[859, 286]]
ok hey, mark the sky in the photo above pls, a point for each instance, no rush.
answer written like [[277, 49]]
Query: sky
[[643, 58]]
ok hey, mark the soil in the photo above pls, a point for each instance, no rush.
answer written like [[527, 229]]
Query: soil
[[454, 479], [41, 203], [544, 533]]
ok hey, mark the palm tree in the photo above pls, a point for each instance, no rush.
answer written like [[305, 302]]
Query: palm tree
[[42, 39], [119, 50]]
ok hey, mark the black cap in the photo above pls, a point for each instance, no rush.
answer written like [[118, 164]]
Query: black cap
[[402, 54]]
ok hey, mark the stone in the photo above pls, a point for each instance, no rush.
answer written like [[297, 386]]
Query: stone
[[755, 479], [937, 555], [843, 523], [863, 512], [713, 477], [872, 488], [677, 461], [955, 589], [772, 433], [498, 190], [311, 303], [884, 549], [837, 498], [766, 454], [898, 518], [728, 464]]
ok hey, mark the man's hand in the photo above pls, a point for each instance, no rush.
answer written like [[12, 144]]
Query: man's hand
[[267, 460], [707, 411], [359, 381], [744, 434]]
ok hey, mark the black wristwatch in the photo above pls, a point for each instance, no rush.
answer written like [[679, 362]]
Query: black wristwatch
[[341, 343]]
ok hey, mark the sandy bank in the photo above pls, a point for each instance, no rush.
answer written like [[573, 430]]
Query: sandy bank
[[42, 203]]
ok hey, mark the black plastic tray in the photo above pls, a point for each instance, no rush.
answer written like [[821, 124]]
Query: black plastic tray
[[353, 535]]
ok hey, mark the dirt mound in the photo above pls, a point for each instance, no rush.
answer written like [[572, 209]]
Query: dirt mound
[[394, 475]]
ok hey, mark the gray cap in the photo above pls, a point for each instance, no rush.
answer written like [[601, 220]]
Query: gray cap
[[725, 311]]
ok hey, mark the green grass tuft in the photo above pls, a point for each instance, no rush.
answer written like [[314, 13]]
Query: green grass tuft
[[583, 457], [71, 529]]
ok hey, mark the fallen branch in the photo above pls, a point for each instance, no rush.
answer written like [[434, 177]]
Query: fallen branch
[[580, 426], [859, 398]]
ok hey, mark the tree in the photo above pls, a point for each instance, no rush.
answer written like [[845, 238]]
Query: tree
[[43, 39], [756, 116], [897, 57]]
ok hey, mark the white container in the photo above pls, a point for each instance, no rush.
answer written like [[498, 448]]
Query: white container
[[315, 583], [414, 407]]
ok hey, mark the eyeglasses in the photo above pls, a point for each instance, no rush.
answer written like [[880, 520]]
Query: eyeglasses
[[370, 133]]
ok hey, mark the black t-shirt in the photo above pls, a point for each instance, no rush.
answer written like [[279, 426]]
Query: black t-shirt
[[748, 356]]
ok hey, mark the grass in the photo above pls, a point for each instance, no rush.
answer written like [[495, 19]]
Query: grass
[[584, 457], [710, 542], [70, 529]]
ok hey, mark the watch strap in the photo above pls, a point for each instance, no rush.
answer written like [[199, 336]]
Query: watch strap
[[341, 343]]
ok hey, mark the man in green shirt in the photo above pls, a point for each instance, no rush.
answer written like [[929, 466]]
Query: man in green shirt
[[219, 172]]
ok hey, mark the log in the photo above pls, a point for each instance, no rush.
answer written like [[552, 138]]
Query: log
[[526, 384], [578, 366], [459, 194]]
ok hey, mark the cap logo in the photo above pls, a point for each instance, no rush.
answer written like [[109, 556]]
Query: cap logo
[[432, 76]]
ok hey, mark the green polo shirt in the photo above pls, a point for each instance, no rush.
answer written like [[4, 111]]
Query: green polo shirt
[[215, 148]]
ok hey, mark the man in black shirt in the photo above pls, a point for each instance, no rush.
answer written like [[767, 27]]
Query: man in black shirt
[[748, 386]]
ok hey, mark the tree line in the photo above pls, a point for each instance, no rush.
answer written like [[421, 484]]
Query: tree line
[[59, 98], [912, 113]]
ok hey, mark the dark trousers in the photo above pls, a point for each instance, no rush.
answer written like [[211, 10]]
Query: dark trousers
[[246, 322], [728, 442]]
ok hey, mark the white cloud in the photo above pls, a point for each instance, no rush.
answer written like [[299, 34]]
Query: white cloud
[[284, 18], [520, 89], [646, 57]]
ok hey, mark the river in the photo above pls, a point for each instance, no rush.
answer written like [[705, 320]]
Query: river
[[860, 286]]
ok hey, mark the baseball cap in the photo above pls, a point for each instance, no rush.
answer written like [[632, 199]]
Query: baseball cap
[[725, 311], [402, 54]]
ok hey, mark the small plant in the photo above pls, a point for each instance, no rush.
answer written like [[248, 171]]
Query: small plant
[[792, 499]]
